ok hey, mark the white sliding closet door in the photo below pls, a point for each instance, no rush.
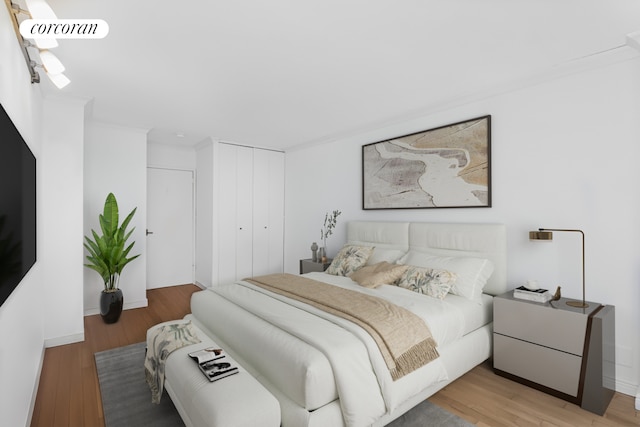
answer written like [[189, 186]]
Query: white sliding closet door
[[250, 212], [234, 212], [268, 212], [244, 212]]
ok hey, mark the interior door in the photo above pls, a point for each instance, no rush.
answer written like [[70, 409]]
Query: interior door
[[170, 236]]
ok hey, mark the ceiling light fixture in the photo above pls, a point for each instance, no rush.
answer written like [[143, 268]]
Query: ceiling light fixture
[[38, 9], [60, 80], [51, 63]]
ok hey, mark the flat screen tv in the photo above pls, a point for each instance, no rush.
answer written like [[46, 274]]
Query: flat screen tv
[[17, 207]]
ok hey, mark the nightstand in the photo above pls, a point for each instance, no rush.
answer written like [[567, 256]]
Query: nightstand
[[307, 266], [562, 350]]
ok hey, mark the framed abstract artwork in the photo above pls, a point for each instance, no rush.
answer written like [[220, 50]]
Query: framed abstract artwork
[[445, 167]]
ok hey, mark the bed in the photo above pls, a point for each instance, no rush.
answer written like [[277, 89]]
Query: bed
[[325, 370]]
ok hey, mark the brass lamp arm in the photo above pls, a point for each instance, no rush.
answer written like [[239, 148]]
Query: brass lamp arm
[[545, 234]]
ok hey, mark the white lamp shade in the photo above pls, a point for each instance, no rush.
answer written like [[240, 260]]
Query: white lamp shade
[[60, 80], [51, 63], [45, 43], [40, 9]]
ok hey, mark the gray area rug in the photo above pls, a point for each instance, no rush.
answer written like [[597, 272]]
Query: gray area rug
[[428, 414], [126, 399]]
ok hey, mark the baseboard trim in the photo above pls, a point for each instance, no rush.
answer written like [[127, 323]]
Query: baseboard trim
[[67, 339], [36, 384], [630, 389], [136, 304], [638, 400]]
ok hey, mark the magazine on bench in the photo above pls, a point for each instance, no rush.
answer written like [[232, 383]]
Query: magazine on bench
[[213, 363]]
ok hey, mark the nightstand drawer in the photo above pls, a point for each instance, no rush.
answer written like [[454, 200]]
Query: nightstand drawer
[[555, 369], [540, 324]]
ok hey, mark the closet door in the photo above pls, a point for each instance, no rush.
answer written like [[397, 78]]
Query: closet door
[[268, 212], [244, 213], [235, 228]]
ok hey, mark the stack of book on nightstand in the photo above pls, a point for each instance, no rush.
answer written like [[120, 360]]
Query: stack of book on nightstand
[[537, 295]]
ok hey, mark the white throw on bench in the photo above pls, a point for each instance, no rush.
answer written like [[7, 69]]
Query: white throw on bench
[[239, 400]]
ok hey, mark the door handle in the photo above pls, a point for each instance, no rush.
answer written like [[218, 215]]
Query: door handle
[[149, 232]]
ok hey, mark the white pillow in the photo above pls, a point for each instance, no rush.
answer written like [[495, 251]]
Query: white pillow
[[381, 254], [472, 273]]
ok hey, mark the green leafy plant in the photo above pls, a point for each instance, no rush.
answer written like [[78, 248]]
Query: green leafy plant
[[330, 221], [107, 253]]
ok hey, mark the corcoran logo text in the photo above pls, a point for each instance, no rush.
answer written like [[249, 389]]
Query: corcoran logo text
[[64, 28]]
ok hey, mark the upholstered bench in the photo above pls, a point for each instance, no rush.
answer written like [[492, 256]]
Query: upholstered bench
[[238, 400]]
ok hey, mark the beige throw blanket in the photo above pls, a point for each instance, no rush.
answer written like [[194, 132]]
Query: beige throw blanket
[[403, 338], [161, 341]]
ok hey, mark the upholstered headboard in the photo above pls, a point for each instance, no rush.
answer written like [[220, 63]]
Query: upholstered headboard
[[447, 239]]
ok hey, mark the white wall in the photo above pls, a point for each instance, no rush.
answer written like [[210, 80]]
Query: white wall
[[61, 195], [116, 162], [563, 156], [205, 214], [22, 316], [170, 157]]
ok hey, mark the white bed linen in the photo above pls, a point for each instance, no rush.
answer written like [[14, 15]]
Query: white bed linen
[[359, 393], [475, 315], [364, 384], [445, 318], [268, 350], [453, 317]]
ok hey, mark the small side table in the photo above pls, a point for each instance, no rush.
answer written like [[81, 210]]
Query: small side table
[[307, 266], [564, 351]]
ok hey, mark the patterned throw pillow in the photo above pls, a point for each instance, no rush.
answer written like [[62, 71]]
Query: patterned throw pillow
[[471, 273], [429, 281], [349, 259], [382, 273]]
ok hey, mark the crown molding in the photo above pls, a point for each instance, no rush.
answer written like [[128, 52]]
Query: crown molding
[[583, 64]]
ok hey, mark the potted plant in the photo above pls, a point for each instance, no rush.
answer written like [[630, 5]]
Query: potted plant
[[108, 256]]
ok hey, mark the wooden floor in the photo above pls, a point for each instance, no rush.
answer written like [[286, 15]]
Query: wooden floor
[[69, 395], [485, 399]]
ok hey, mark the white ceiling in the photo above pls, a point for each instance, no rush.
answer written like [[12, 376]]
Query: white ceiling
[[287, 72]]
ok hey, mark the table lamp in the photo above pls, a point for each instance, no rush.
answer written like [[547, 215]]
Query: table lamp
[[547, 234]]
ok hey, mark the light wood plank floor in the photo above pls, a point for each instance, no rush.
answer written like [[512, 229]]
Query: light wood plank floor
[[69, 395]]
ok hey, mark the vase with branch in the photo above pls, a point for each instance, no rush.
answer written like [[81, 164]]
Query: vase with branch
[[330, 221]]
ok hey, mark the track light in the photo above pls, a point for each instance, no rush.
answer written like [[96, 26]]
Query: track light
[[38, 9], [42, 10], [58, 79]]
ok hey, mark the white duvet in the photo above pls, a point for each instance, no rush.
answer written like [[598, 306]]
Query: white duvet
[[364, 385]]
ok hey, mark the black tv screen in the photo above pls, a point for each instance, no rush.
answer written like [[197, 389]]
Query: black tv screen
[[17, 207]]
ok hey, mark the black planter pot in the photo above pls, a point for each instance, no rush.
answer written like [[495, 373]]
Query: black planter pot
[[111, 305]]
